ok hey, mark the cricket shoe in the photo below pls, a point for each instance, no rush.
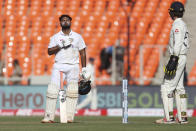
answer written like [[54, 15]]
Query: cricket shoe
[[69, 121], [47, 121], [184, 120], [164, 121]]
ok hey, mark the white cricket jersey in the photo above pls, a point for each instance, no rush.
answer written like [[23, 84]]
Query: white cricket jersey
[[179, 38], [71, 54]]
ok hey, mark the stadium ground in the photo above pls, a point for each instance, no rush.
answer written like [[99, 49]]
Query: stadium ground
[[92, 124]]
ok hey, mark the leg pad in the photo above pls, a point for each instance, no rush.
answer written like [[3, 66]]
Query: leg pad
[[72, 98], [51, 100]]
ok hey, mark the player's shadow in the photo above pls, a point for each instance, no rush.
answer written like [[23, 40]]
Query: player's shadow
[[75, 122]]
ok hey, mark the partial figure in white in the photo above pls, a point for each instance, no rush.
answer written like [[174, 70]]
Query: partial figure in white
[[92, 95], [173, 85], [66, 45]]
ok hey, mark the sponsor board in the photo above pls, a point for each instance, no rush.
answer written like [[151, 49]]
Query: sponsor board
[[90, 112], [149, 112], [22, 97], [142, 101], [136, 112], [34, 97]]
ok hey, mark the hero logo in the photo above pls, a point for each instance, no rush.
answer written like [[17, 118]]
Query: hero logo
[[19, 100]]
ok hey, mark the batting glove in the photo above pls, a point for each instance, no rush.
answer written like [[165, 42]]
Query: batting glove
[[86, 75], [61, 44], [62, 95], [64, 43]]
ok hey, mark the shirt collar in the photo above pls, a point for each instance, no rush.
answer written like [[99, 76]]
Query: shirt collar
[[71, 32], [177, 19]]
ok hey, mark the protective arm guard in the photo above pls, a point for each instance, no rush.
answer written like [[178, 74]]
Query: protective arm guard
[[170, 69]]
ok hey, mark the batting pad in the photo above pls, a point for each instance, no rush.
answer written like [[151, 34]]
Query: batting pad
[[51, 101], [71, 99], [72, 90], [181, 103], [167, 103], [71, 108], [53, 91]]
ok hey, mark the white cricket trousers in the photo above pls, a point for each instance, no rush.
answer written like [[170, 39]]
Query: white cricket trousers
[[70, 73]]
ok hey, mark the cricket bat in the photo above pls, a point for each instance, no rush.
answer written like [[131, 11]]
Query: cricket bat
[[63, 111]]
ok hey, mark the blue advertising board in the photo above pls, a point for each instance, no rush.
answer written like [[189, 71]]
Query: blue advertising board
[[34, 97]]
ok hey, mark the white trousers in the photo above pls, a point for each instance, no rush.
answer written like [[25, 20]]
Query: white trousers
[[177, 83], [70, 73]]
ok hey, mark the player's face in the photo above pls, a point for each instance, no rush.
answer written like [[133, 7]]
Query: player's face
[[171, 14], [65, 22]]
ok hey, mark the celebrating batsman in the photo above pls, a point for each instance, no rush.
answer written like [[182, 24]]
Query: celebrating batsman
[[174, 71], [66, 45]]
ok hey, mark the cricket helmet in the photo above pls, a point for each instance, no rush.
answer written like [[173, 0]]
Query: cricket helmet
[[176, 9], [84, 87]]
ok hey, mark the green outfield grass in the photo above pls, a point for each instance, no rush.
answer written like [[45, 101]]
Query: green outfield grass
[[92, 124]]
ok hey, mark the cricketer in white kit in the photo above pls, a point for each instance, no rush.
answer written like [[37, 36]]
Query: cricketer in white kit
[[173, 85], [66, 45]]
